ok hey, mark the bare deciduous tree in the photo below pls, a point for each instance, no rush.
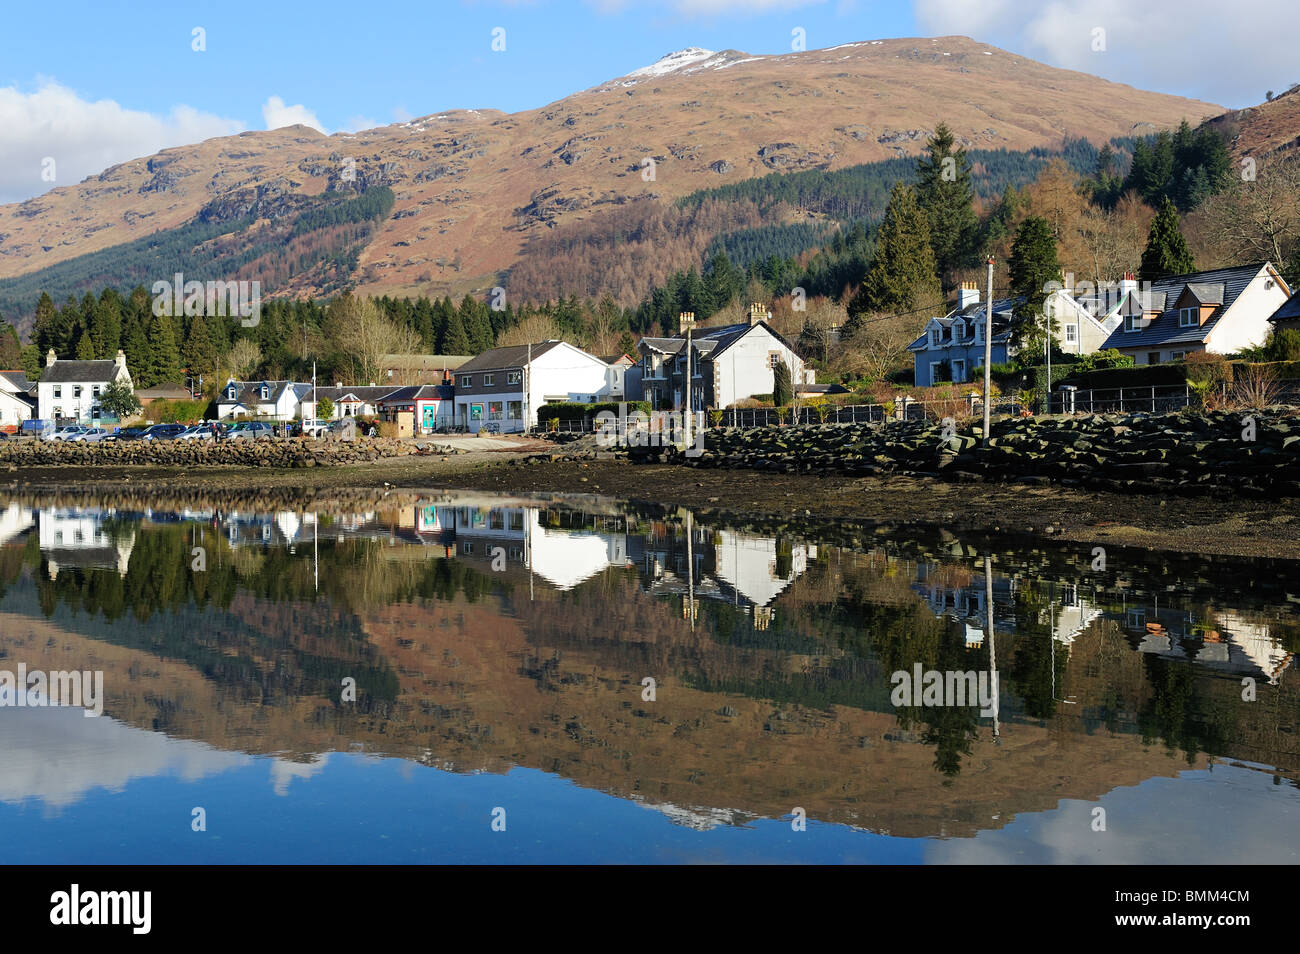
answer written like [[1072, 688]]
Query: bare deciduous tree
[[243, 359], [363, 336]]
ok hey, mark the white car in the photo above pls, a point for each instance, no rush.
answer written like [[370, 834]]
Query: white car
[[92, 435], [67, 433], [315, 428], [199, 432]]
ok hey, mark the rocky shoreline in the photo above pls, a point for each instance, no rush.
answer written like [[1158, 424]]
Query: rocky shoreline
[[1254, 453], [281, 453]]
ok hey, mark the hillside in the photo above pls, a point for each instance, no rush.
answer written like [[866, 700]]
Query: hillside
[[1270, 127], [473, 187]]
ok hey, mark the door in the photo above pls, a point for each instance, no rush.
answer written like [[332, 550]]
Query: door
[[428, 417]]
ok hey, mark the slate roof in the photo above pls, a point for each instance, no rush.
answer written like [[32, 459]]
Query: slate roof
[[365, 393], [1164, 328], [967, 317], [1289, 311], [249, 392], [79, 372], [17, 381], [503, 359], [419, 392], [710, 342]]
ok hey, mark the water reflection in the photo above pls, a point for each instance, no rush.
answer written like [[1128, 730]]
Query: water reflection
[[486, 635]]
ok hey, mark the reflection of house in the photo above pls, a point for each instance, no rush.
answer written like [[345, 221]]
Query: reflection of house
[[1066, 612], [77, 538], [15, 520], [1227, 642]]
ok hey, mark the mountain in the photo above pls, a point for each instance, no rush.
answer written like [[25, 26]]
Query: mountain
[[1270, 127], [470, 188]]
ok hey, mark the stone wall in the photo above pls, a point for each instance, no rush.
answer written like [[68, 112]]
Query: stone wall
[[1248, 451], [243, 453]]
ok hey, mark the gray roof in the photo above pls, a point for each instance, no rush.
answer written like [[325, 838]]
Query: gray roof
[[501, 359], [419, 392], [17, 380], [664, 345], [365, 393], [249, 392], [1290, 310], [968, 316], [79, 372], [710, 342], [1164, 328]]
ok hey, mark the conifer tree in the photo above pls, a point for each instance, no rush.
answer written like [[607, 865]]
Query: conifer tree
[[945, 193], [902, 278], [1033, 264], [163, 360], [1166, 252]]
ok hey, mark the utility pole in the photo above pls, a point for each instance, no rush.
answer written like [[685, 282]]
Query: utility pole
[[528, 421], [687, 319], [988, 353]]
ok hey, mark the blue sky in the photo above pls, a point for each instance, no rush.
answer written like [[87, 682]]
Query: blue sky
[[91, 84]]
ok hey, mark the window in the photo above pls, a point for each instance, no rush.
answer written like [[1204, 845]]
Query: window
[[516, 553], [466, 380], [1132, 323], [936, 337], [76, 390], [773, 359], [494, 410], [1177, 355], [1189, 317], [1071, 334], [58, 413], [496, 520], [230, 392], [95, 391], [514, 377], [467, 548], [515, 410], [488, 379], [1153, 357], [516, 520], [58, 390], [263, 391]]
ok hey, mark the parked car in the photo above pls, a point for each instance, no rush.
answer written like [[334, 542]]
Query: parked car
[[250, 431], [198, 432], [314, 428], [66, 433], [127, 434], [163, 432], [92, 435]]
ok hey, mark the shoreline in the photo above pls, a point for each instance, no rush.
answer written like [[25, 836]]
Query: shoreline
[[1212, 523]]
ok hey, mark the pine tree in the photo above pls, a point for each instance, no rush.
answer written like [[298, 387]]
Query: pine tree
[[199, 354], [903, 275], [454, 340], [1033, 264], [163, 359], [1166, 252], [11, 348], [44, 329], [85, 350], [945, 193], [107, 326], [478, 327]]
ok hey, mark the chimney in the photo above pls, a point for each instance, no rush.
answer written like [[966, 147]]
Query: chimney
[[119, 359], [968, 294], [1128, 283], [50, 358], [758, 312], [686, 320], [446, 376]]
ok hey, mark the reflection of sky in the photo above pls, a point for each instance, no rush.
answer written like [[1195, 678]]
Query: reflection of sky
[[126, 795], [1203, 817]]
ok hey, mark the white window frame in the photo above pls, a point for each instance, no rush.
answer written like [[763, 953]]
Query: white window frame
[[1132, 323], [1177, 355], [466, 381], [514, 377], [1189, 317], [936, 338], [1071, 334], [489, 380]]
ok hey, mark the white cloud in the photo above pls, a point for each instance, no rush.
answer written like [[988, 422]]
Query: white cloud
[[276, 114], [83, 137], [1224, 53]]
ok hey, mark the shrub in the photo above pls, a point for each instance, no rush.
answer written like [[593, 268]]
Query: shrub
[[1255, 386]]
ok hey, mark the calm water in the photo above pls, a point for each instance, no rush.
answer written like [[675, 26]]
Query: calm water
[[1146, 712]]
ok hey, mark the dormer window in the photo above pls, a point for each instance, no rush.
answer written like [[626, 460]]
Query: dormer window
[[1132, 323], [230, 392], [1189, 317], [264, 392], [936, 337]]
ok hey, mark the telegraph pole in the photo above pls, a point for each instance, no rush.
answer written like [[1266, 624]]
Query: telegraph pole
[[988, 353], [688, 321]]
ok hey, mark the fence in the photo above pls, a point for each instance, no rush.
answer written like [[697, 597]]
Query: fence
[[1155, 400]]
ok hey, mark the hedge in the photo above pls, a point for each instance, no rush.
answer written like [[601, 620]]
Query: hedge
[[573, 411]]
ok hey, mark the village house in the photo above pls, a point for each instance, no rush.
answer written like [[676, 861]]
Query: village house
[[728, 364], [70, 390], [1220, 311], [17, 399], [263, 400], [502, 389], [952, 347], [619, 364], [348, 400], [419, 409], [1288, 315]]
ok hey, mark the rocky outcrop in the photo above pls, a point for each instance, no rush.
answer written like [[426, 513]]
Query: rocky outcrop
[[1251, 452]]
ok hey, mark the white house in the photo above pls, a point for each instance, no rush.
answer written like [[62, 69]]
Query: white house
[[1221, 311], [17, 398], [728, 364], [264, 400], [70, 390], [504, 387]]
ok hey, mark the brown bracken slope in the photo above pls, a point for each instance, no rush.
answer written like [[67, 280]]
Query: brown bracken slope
[[473, 186]]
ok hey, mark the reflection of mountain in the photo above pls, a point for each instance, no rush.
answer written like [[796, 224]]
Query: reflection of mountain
[[463, 668]]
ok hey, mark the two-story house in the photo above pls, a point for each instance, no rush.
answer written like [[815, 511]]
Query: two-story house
[[502, 388], [70, 390], [1220, 311], [264, 400], [952, 347], [728, 364]]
